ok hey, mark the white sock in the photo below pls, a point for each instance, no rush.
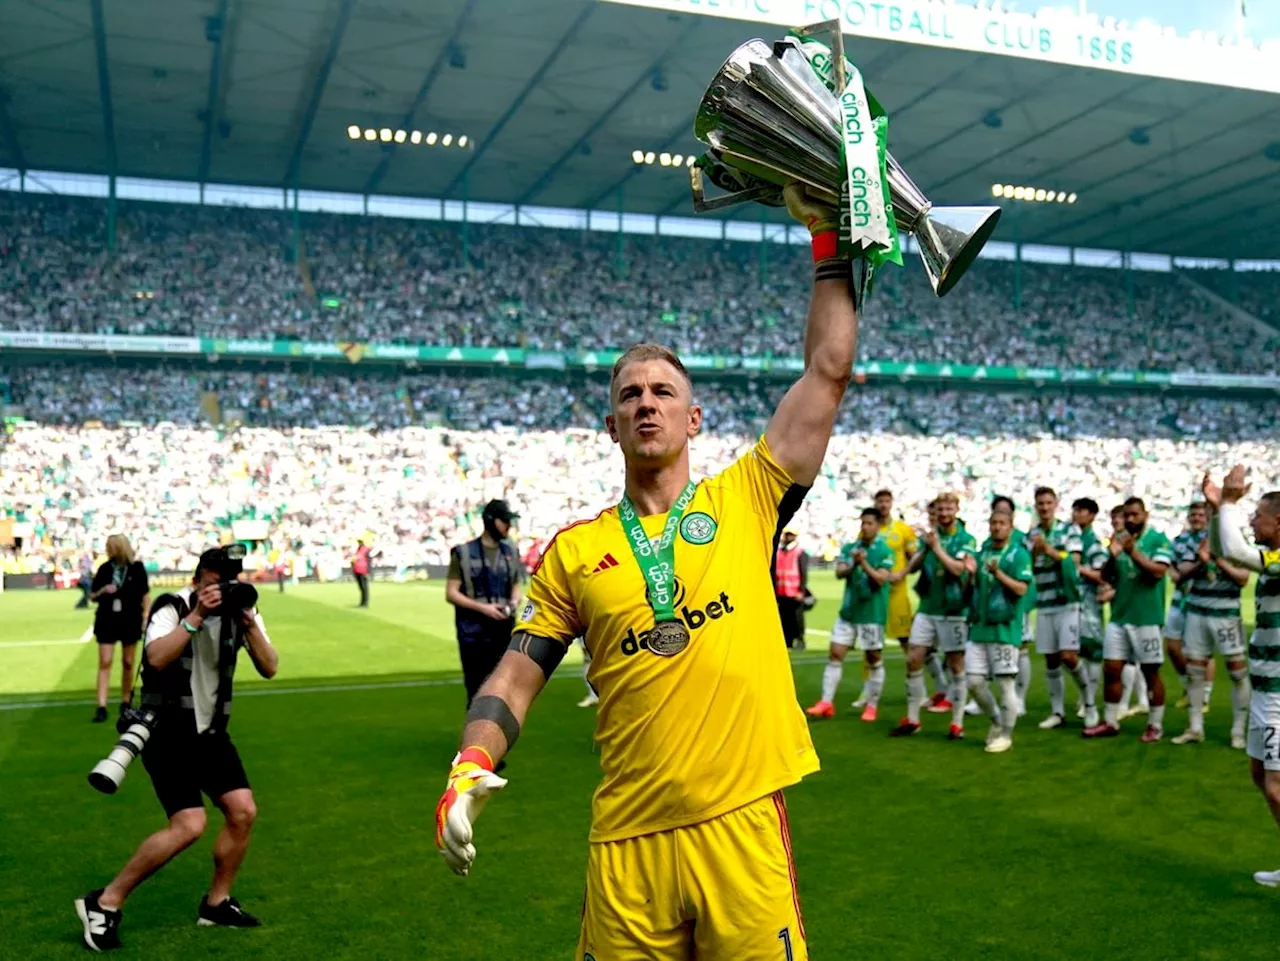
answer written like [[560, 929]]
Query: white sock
[[1195, 697], [1156, 717], [831, 675], [982, 694], [586, 666], [1009, 702], [957, 698], [1128, 675], [916, 695], [1184, 677], [934, 663], [1057, 690], [1084, 681], [1140, 689], [1112, 714], [1023, 683], [1208, 691], [1241, 692], [875, 684]]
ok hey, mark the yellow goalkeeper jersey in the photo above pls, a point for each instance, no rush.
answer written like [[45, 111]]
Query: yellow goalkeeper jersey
[[685, 738], [902, 541]]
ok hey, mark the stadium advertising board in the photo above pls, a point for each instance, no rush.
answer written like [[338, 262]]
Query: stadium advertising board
[[600, 359], [99, 343], [1050, 35]]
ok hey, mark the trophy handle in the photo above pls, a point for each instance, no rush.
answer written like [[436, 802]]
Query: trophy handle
[[702, 205], [835, 41]]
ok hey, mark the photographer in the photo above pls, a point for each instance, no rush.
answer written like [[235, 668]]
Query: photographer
[[123, 595], [483, 585], [192, 642]]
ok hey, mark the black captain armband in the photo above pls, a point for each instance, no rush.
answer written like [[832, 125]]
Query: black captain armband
[[490, 707], [832, 270], [546, 653]]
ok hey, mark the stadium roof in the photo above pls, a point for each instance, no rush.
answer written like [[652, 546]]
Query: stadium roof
[[554, 95]]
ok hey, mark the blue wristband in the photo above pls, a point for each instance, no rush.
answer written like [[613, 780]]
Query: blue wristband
[[189, 629]]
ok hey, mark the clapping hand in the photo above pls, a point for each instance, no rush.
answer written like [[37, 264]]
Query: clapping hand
[[1234, 486]]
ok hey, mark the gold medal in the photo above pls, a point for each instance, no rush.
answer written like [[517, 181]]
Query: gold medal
[[668, 638]]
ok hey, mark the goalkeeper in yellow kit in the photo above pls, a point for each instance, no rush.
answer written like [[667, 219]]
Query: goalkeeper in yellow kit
[[698, 727]]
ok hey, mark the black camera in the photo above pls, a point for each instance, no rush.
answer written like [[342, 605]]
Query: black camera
[[228, 563], [135, 727]]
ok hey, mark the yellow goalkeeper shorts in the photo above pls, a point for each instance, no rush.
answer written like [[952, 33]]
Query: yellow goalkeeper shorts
[[722, 890], [899, 624]]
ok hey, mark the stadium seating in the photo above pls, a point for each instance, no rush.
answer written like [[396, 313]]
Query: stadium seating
[[304, 462], [228, 272]]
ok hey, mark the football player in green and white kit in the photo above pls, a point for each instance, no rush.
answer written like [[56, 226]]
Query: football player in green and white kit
[[1140, 558], [866, 566], [1228, 541], [1185, 547], [1055, 547], [1211, 600], [1094, 591], [1001, 502], [1002, 580], [942, 621]]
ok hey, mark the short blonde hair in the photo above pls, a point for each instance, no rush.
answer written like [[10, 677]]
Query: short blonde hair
[[642, 352], [118, 546], [948, 497]]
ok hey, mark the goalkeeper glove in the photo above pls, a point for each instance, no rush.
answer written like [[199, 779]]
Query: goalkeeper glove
[[471, 782], [820, 217]]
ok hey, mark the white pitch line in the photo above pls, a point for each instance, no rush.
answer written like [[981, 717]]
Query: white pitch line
[[7, 644], [328, 688]]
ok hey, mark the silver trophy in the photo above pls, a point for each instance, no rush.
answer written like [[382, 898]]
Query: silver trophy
[[769, 120]]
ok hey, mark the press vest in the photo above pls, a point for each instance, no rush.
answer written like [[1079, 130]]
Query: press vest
[[484, 582], [168, 690]]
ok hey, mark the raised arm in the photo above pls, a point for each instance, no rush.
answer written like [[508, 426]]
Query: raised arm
[[801, 426], [1226, 520]]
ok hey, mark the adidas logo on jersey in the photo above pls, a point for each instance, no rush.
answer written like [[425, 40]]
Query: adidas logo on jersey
[[606, 562], [693, 617]]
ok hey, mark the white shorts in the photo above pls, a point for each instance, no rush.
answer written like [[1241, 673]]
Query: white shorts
[[991, 660], [1130, 642], [1264, 730], [1202, 634], [1058, 629], [1175, 622], [947, 634], [866, 637]]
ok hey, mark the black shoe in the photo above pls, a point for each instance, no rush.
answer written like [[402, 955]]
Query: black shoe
[[100, 715], [101, 927], [228, 914]]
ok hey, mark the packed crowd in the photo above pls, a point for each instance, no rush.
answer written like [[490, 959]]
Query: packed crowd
[[323, 471], [71, 395], [223, 272]]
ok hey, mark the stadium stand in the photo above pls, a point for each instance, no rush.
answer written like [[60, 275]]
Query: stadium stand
[[223, 272], [304, 462]]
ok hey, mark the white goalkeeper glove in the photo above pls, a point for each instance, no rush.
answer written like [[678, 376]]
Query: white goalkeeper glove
[[471, 783]]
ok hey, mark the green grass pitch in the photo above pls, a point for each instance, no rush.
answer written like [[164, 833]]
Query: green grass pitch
[[917, 849]]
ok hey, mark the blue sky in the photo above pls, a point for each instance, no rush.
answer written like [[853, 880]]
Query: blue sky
[[1220, 15]]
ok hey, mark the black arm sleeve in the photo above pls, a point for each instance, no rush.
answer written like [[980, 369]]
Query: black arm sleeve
[[544, 652]]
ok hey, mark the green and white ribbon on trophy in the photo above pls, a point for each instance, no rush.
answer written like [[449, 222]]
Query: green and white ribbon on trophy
[[867, 226]]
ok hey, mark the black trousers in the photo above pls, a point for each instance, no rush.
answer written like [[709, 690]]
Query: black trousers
[[791, 611], [479, 658], [362, 581]]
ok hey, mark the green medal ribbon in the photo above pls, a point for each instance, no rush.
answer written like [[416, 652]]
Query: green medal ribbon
[[657, 564]]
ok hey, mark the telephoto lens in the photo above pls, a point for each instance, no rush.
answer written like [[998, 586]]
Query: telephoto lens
[[108, 773]]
